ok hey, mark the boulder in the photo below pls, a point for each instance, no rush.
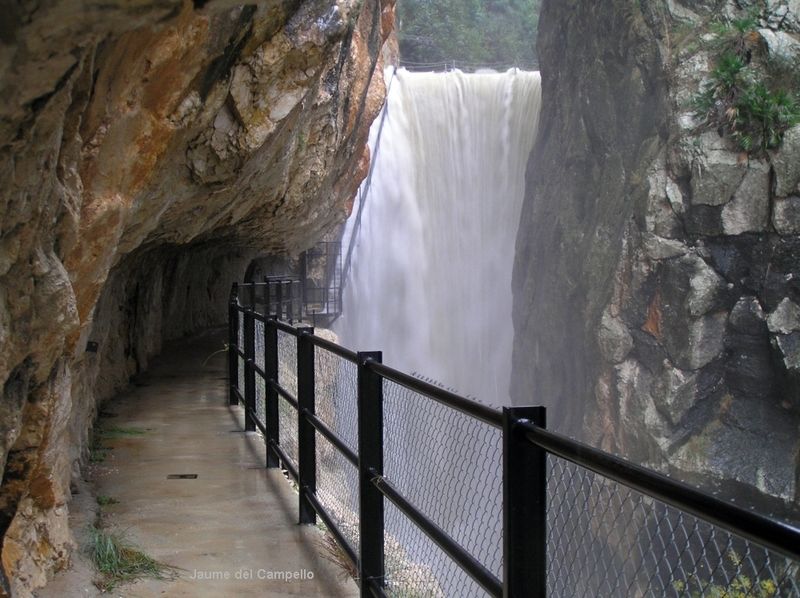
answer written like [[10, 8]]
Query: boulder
[[785, 319], [786, 215], [614, 339], [717, 171], [780, 45], [789, 347], [659, 248], [748, 211], [675, 393]]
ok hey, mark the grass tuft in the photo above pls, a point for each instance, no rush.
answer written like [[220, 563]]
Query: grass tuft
[[333, 553], [97, 454], [105, 501], [118, 561]]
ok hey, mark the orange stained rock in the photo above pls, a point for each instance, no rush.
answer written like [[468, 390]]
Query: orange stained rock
[[654, 317]]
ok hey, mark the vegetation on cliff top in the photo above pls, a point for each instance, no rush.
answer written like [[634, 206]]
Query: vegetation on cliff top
[[468, 32], [753, 101]]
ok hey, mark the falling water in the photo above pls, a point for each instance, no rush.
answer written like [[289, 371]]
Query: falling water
[[430, 282]]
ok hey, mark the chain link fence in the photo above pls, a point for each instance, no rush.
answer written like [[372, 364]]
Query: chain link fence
[[449, 465], [336, 389], [287, 378], [261, 385], [603, 538]]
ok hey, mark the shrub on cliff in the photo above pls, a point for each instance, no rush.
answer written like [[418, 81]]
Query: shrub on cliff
[[751, 96]]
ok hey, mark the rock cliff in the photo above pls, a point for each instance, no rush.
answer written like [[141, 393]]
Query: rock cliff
[[148, 151], [657, 279]]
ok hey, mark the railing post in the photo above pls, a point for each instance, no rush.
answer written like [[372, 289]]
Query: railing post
[[370, 464], [524, 507], [297, 300], [233, 345], [288, 300], [290, 284], [306, 442], [249, 370], [253, 296], [271, 395], [279, 300], [303, 276]]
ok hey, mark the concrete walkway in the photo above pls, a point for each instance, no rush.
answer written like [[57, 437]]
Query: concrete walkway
[[233, 530]]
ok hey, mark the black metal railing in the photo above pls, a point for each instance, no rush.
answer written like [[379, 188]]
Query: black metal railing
[[313, 295], [321, 276], [498, 505], [281, 296]]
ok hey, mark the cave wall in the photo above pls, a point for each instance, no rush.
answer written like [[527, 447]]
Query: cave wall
[[149, 152], [656, 283]]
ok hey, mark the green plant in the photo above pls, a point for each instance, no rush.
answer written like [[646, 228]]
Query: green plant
[[741, 586], [105, 501], [763, 115], [118, 561], [97, 454], [753, 103]]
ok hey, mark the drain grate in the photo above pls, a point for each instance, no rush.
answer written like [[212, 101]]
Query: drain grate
[[182, 476]]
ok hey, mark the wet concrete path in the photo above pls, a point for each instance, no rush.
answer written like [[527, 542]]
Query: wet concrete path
[[233, 530]]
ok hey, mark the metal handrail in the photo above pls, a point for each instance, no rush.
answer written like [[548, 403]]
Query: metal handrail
[[446, 397], [775, 535], [525, 562], [331, 437], [332, 347]]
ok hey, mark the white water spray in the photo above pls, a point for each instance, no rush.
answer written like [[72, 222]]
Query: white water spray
[[430, 280]]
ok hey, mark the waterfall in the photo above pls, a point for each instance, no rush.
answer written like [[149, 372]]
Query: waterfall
[[430, 277]]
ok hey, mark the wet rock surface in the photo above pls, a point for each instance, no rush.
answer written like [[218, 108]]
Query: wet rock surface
[[638, 219], [148, 152]]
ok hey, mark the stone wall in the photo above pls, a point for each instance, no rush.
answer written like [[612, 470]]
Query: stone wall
[[657, 280], [148, 152]]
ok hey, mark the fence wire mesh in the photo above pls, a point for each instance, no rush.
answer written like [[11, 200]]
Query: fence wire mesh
[[259, 343], [335, 386], [449, 465], [287, 362], [287, 378], [416, 566], [605, 539], [337, 489], [261, 386]]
